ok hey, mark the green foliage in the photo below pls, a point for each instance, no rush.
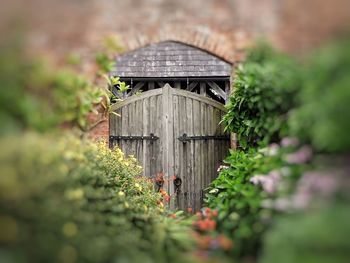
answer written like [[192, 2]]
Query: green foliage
[[112, 44], [242, 215], [36, 96], [263, 92], [262, 108], [63, 200], [320, 236], [74, 97], [20, 103], [323, 115], [104, 62], [119, 88], [74, 59]]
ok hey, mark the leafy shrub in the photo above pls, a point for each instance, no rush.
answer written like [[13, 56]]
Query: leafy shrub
[[317, 236], [238, 196], [70, 201], [263, 91], [322, 117], [319, 232], [39, 97]]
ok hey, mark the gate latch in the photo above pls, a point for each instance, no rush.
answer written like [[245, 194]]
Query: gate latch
[[177, 184]]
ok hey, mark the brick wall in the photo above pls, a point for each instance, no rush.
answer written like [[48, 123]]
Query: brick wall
[[58, 27], [222, 27], [101, 131]]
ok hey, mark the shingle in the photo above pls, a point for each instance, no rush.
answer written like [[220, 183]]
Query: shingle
[[170, 59]]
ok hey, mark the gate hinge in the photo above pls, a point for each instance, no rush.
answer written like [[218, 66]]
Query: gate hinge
[[184, 138], [150, 137]]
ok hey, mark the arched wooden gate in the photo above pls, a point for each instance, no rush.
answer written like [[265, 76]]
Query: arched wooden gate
[[174, 132]]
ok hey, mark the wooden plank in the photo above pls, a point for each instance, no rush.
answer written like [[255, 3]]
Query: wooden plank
[[168, 144], [197, 153], [217, 148], [204, 146], [117, 126], [135, 98], [136, 88], [227, 91], [190, 152], [159, 131], [139, 131], [119, 123], [210, 143], [151, 85], [176, 147], [217, 89], [131, 128], [203, 89], [192, 86], [146, 131], [183, 147], [153, 146], [200, 98], [112, 128], [202, 150], [125, 124]]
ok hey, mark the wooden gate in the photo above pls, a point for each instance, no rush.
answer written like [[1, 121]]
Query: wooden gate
[[174, 132]]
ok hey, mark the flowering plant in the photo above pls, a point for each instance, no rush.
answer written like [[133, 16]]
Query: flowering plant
[[249, 182]]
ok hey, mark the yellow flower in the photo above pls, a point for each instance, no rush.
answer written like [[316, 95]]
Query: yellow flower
[[138, 187], [69, 229], [76, 194]]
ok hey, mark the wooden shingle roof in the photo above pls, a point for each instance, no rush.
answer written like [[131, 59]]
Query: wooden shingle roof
[[170, 59]]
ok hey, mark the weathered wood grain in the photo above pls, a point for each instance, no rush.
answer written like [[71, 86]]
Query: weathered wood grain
[[169, 113]]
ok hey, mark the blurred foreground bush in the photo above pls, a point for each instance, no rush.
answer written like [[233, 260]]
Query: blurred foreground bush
[[320, 231], [318, 236], [273, 98], [322, 117], [63, 200], [37, 96]]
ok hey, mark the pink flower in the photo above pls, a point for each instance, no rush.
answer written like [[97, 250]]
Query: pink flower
[[321, 183], [289, 141], [256, 179], [268, 182], [303, 155], [312, 184]]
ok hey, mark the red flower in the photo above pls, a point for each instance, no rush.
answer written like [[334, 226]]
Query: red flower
[[166, 198], [207, 211], [172, 216], [205, 224], [225, 242]]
